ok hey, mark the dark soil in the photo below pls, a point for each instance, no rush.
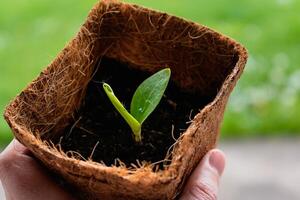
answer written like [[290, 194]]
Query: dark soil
[[100, 133]]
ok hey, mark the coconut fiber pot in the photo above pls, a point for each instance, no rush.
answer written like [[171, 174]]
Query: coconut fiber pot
[[64, 119]]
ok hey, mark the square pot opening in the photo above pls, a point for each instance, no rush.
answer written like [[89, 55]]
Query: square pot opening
[[98, 132]]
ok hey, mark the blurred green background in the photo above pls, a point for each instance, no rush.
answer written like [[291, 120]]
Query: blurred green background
[[266, 101]]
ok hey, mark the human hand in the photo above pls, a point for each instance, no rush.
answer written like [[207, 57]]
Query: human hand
[[23, 178], [204, 182]]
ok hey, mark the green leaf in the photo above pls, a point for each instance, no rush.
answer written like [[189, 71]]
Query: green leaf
[[148, 95]]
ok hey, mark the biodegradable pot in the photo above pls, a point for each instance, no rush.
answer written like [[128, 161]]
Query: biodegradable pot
[[202, 61]]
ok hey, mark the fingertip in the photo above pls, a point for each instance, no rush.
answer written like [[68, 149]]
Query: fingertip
[[217, 160], [13, 148], [19, 148], [13, 157], [204, 181]]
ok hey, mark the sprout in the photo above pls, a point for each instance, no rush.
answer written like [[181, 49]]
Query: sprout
[[145, 99]]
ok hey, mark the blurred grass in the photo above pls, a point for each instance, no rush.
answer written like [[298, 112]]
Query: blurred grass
[[266, 100]]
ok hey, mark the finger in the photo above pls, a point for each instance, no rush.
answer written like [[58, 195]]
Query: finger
[[204, 181], [23, 178]]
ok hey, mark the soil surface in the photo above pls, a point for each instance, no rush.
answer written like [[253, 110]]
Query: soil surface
[[100, 133]]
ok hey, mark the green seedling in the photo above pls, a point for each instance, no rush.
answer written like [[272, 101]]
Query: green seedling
[[145, 99]]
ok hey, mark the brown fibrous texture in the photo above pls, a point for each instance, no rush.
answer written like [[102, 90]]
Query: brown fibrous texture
[[202, 61]]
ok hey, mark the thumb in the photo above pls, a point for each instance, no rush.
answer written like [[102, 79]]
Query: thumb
[[204, 181]]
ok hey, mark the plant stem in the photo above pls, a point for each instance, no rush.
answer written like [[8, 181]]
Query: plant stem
[[132, 122]]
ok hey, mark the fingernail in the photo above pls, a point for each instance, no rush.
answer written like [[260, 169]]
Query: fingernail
[[18, 147], [217, 161]]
